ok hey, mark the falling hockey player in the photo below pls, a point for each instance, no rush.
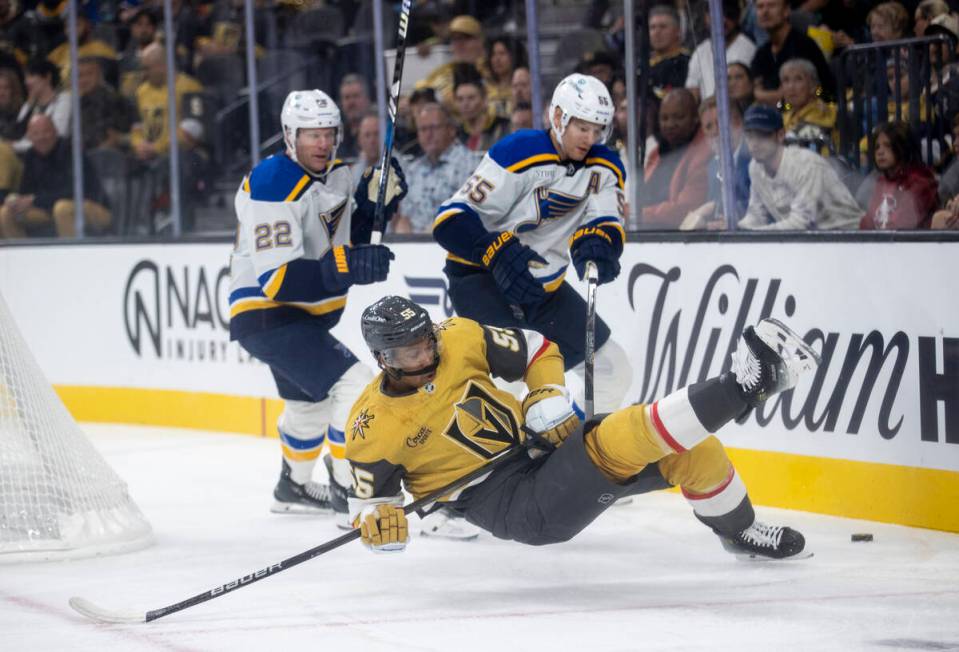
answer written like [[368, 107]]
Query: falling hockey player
[[434, 415], [538, 199]]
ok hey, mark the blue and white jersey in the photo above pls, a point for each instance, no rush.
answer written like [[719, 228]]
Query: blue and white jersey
[[522, 186], [288, 221]]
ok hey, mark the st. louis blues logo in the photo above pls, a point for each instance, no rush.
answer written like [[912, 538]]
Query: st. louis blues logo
[[332, 218], [550, 205]]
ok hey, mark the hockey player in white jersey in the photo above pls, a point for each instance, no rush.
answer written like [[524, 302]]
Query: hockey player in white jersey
[[299, 247], [538, 199]]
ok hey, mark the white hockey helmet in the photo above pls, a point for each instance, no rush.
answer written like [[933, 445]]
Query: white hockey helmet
[[310, 109], [583, 97]]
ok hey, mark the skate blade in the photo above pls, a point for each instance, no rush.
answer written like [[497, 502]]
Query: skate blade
[[299, 508], [753, 557]]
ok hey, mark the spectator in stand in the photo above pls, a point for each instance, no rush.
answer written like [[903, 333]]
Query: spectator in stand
[[368, 142], [669, 61], [106, 117], [791, 188], [599, 64], [11, 170], [405, 137], [522, 117], [807, 120], [194, 169], [785, 43], [354, 104], [505, 55], [675, 180], [927, 12], [150, 137], [44, 97], [701, 79], [888, 21], [466, 47], [949, 182], [143, 32], [710, 215], [437, 174], [11, 99], [905, 195], [15, 32], [740, 81], [521, 86], [44, 205], [948, 217], [87, 44], [480, 127]]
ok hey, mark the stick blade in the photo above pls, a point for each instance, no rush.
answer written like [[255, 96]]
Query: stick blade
[[86, 608]]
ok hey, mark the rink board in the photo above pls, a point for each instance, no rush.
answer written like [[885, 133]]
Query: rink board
[[139, 334]]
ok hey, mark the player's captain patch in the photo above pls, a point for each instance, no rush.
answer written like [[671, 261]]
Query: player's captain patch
[[550, 205]]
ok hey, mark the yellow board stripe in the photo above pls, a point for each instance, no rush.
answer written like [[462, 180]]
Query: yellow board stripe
[[462, 261], [339, 255], [532, 160], [868, 490], [601, 161], [305, 179], [276, 281], [246, 305]]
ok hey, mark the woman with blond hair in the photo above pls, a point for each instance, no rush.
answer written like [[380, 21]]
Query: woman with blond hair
[[887, 21]]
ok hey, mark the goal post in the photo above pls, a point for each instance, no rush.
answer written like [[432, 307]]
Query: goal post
[[59, 499]]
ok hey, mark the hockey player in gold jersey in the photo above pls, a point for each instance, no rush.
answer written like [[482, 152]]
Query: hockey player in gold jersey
[[434, 414]]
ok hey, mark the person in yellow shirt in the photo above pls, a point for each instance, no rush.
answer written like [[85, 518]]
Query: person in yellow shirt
[[150, 136], [806, 117], [466, 46], [87, 47]]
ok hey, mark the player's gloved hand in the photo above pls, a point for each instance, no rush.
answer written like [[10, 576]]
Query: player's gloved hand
[[509, 260], [368, 263], [383, 528], [396, 187], [591, 243], [549, 413]]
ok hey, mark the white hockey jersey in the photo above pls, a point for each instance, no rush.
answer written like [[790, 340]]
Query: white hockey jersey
[[522, 186], [288, 221]]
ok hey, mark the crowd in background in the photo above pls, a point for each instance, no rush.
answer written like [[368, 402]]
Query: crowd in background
[[790, 107]]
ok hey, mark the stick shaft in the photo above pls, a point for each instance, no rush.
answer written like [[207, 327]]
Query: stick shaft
[[592, 280], [379, 216], [504, 457]]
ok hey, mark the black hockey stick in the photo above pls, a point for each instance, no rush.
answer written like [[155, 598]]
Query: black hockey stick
[[99, 614], [592, 280], [379, 216]]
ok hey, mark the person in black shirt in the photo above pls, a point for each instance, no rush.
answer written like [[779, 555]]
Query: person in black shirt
[[45, 205], [785, 43]]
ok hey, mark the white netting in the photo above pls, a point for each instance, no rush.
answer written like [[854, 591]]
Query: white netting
[[58, 497]]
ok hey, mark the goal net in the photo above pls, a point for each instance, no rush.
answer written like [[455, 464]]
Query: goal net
[[58, 497]]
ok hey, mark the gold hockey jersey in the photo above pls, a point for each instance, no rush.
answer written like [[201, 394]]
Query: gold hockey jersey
[[453, 425]]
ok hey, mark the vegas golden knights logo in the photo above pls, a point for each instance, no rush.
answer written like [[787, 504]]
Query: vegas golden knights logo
[[482, 424]]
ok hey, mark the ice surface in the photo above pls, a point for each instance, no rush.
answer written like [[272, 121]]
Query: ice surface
[[647, 576]]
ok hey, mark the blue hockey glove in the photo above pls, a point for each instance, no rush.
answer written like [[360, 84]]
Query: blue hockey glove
[[598, 247], [368, 188], [509, 261], [365, 264]]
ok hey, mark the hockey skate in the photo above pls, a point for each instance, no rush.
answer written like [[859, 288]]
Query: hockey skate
[[445, 524], [294, 498], [339, 497], [770, 359], [761, 542]]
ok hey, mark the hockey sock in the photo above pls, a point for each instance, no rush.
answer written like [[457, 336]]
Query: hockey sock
[[301, 455]]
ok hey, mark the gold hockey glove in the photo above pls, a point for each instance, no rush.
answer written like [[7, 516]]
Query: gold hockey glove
[[383, 528], [550, 414]]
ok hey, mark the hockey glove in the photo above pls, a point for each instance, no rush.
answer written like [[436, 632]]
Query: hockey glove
[[550, 414], [383, 528], [357, 265], [591, 243], [509, 261], [367, 190]]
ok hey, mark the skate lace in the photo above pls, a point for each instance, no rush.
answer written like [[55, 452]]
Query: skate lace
[[746, 367], [317, 491], [762, 535]]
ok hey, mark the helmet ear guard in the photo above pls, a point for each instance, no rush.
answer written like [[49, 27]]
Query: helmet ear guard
[[584, 97]]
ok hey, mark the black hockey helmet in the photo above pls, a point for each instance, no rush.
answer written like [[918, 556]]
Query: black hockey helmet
[[394, 322]]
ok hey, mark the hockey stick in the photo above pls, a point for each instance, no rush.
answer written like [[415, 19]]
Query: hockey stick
[[99, 614], [379, 217], [592, 280]]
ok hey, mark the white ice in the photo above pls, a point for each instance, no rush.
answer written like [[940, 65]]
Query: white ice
[[643, 577]]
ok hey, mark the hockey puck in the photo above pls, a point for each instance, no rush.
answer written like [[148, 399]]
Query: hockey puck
[[861, 537]]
